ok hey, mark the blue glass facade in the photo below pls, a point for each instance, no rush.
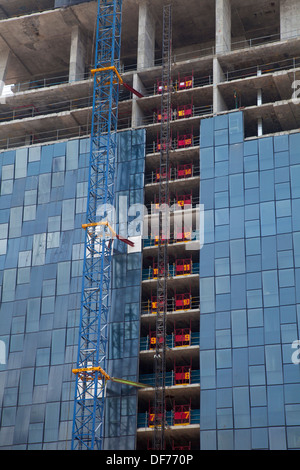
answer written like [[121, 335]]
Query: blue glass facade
[[249, 287], [124, 331], [42, 207]]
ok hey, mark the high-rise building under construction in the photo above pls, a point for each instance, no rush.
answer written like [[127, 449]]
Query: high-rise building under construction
[[206, 122]]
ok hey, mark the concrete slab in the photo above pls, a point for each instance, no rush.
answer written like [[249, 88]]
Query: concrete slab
[[177, 392], [43, 96], [56, 122], [184, 433], [10, 8], [259, 55]]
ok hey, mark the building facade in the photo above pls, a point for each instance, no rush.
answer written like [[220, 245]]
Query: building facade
[[232, 368]]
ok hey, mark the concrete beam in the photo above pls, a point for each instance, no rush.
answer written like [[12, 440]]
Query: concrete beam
[[146, 37], [289, 19], [77, 55], [285, 114], [223, 26], [283, 84]]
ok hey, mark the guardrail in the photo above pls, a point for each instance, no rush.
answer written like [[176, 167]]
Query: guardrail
[[287, 64], [146, 306], [46, 136], [152, 147], [150, 274], [188, 237], [173, 175], [149, 379], [197, 111], [170, 341], [143, 419]]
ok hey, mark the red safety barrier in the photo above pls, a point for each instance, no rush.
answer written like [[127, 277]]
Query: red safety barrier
[[182, 375], [185, 140], [163, 86], [155, 270], [183, 235], [184, 111], [153, 304], [184, 200], [182, 415], [154, 418], [181, 447], [183, 266], [185, 171], [152, 340], [183, 301], [165, 116], [162, 175], [186, 82], [182, 337]]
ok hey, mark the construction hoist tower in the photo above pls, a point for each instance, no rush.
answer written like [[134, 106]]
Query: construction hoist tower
[[88, 421], [162, 257]]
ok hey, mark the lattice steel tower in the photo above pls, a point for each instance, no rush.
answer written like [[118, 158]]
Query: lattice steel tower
[[162, 257], [89, 400]]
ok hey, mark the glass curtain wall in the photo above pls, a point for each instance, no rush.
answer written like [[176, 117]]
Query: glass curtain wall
[[42, 206], [249, 288]]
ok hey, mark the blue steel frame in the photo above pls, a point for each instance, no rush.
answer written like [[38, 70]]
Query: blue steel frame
[[88, 420]]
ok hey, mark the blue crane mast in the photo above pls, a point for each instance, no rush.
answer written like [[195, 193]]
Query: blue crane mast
[[89, 401]]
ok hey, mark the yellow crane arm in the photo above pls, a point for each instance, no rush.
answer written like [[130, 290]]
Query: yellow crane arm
[[114, 234], [87, 373]]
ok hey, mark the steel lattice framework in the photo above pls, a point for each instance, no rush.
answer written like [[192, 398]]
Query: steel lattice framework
[[162, 258], [88, 421]]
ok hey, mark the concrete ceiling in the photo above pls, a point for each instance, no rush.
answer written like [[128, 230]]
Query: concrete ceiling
[[41, 42], [254, 18], [9, 8]]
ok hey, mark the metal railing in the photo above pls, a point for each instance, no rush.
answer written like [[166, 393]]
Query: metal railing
[[194, 235], [196, 112], [45, 136], [173, 176], [211, 51], [29, 111], [152, 147], [45, 82], [148, 273], [149, 379], [143, 418], [146, 306], [287, 64], [175, 204], [170, 342], [197, 83]]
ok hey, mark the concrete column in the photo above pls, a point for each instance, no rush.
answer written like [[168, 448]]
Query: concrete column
[[146, 37], [77, 55], [137, 114], [223, 26], [289, 19], [219, 104], [4, 59], [259, 103]]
